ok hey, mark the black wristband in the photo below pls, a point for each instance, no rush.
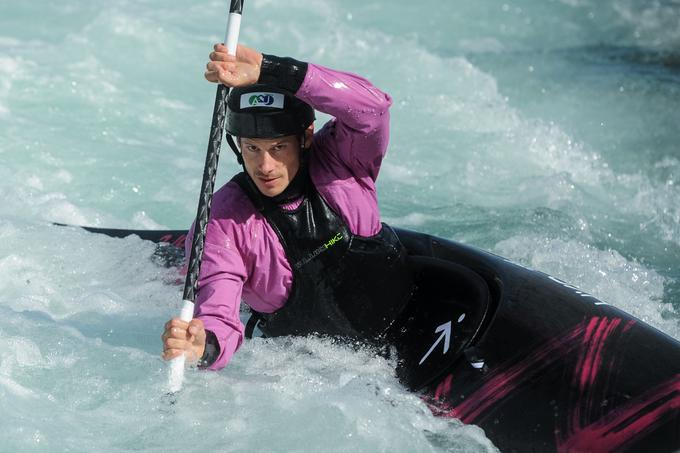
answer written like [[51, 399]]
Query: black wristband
[[286, 73], [211, 351]]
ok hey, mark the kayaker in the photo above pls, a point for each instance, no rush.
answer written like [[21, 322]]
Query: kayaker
[[297, 235]]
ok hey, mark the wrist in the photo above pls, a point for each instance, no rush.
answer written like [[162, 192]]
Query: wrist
[[211, 350], [286, 73], [199, 352]]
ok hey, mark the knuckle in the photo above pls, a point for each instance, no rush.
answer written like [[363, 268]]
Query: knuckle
[[180, 334], [178, 323]]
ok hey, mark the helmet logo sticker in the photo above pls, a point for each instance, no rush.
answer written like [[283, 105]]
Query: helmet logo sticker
[[260, 99], [270, 100]]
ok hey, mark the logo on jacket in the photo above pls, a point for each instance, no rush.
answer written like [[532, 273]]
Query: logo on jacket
[[263, 99], [325, 246]]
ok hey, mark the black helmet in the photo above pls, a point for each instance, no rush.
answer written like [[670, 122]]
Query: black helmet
[[263, 111]]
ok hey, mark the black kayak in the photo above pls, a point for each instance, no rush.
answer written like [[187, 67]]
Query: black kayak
[[538, 364]]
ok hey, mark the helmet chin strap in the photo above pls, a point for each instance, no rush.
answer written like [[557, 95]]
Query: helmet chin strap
[[234, 148]]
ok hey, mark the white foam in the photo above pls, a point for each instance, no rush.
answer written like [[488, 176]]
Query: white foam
[[173, 104], [59, 209], [8, 41], [413, 219], [9, 66], [93, 81], [363, 401], [655, 201], [19, 351], [34, 182], [15, 388], [141, 220], [653, 24], [603, 273], [64, 176]]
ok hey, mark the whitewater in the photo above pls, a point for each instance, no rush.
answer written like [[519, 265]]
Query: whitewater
[[543, 131]]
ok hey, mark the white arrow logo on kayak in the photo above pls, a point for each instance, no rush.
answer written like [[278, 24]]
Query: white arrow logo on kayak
[[445, 329]]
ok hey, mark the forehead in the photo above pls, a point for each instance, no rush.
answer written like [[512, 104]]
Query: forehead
[[267, 142]]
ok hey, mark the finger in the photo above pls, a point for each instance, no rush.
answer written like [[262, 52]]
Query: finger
[[220, 56], [213, 66], [225, 78], [176, 332], [220, 47], [196, 327], [242, 51], [176, 343], [176, 322], [170, 354], [219, 76], [221, 66], [166, 328], [173, 332], [197, 331], [210, 76]]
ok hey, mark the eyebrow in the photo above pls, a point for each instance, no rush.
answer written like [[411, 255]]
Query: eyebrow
[[280, 142]]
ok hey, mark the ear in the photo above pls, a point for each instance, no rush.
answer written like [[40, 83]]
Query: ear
[[308, 135]]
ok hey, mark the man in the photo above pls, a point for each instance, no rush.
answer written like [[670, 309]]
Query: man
[[297, 235]]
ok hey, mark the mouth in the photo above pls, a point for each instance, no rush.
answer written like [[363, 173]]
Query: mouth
[[267, 181]]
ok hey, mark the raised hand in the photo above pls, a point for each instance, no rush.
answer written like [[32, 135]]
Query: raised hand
[[233, 71]]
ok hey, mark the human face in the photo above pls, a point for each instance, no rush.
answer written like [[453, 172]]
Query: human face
[[271, 163]]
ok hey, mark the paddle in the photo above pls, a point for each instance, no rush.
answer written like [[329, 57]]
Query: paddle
[[176, 374]]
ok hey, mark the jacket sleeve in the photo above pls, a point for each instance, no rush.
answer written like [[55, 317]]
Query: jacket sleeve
[[220, 285], [359, 133]]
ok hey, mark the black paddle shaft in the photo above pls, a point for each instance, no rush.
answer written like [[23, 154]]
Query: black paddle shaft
[[208, 184]]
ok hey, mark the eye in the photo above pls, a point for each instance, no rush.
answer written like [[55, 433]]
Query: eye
[[251, 148], [280, 147]]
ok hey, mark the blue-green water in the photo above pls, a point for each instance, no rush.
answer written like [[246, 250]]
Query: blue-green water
[[545, 131]]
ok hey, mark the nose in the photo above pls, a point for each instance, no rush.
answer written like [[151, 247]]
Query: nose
[[266, 164]]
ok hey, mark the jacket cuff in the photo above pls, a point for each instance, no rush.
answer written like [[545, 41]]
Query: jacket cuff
[[285, 73], [211, 352]]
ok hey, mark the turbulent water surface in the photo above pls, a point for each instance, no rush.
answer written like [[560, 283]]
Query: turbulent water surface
[[545, 131]]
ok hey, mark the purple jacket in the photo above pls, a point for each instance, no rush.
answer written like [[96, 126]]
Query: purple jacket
[[243, 258]]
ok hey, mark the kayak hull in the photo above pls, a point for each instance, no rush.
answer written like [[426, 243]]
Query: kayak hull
[[535, 362], [555, 369]]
